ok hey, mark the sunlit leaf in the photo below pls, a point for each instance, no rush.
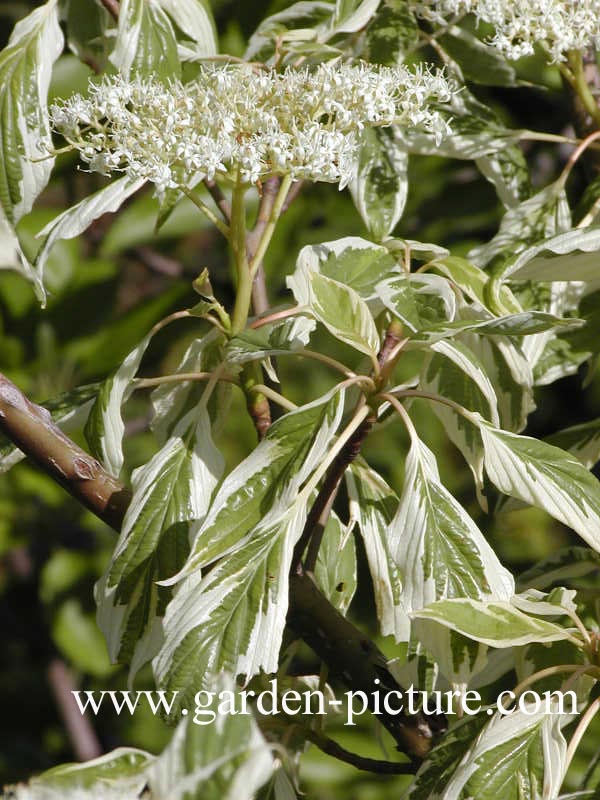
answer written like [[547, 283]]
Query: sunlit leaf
[[381, 184], [335, 570], [169, 492], [227, 760], [544, 476], [492, 622], [25, 142], [78, 218], [518, 757], [438, 548], [372, 506], [145, 42], [105, 427], [233, 617]]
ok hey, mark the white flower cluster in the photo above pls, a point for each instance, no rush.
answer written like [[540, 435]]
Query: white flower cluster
[[560, 25], [234, 120]]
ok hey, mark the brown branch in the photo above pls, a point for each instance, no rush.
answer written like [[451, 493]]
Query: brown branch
[[157, 262], [316, 520], [260, 411], [358, 662], [79, 729], [31, 428], [270, 188], [112, 6], [257, 404], [331, 748], [293, 193], [319, 512], [221, 201]]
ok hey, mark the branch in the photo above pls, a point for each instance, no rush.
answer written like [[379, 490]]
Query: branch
[[327, 745], [221, 201], [257, 404], [342, 646], [316, 520], [81, 733], [31, 428], [112, 6], [358, 662], [157, 262], [270, 188], [319, 512], [293, 193]]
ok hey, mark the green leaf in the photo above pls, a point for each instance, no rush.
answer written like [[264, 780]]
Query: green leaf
[[411, 250], [479, 62], [433, 775], [25, 71], [172, 401], [536, 657], [169, 492], [558, 359], [12, 255], [343, 312], [391, 34], [458, 658], [455, 372], [525, 323], [546, 477], [556, 603], [472, 280], [227, 760], [509, 371], [121, 772], [381, 184], [233, 617], [352, 15], [563, 565], [492, 622], [174, 487], [518, 757], [76, 635], [552, 355], [105, 427], [76, 220], [335, 571], [87, 26], [570, 256], [145, 42], [283, 787], [508, 171], [195, 19], [356, 262], [477, 393], [582, 441], [69, 411], [545, 214], [273, 339], [373, 505], [309, 17], [585, 339], [273, 473], [438, 548], [419, 301]]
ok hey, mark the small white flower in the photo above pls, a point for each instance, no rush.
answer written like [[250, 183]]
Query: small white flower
[[559, 25], [233, 120]]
